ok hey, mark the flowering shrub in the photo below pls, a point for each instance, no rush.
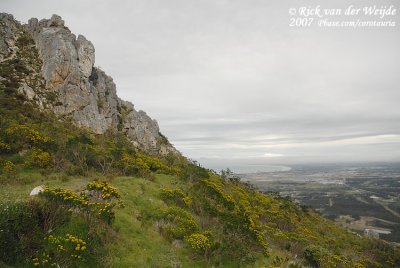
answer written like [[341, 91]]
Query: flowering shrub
[[26, 135], [104, 210], [4, 147], [125, 163], [104, 188], [180, 223], [359, 265], [65, 196], [333, 261], [365, 262], [61, 250], [140, 162], [155, 164], [236, 207], [38, 158], [100, 199], [216, 189], [177, 196], [8, 167], [198, 241], [313, 254], [132, 165]]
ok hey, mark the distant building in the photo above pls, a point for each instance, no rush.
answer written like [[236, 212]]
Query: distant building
[[371, 233]]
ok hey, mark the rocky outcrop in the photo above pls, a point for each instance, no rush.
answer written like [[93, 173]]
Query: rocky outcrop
[[8, 34], [84, 92]]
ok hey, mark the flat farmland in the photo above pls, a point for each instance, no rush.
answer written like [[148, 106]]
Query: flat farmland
[[364, 198]]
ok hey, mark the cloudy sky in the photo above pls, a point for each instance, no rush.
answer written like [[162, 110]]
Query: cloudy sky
[[231, 83]]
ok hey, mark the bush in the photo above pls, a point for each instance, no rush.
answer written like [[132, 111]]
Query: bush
[[176, 196], [19, 231], [314, 254], [180, 223], [62, 251], [23, 136], [99, 200], [198, 242], [4, 147], [24, 40], [8, 167], [38, 159], [63, 228]]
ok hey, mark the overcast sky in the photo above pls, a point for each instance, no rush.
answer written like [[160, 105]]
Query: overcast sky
[[230, 82]]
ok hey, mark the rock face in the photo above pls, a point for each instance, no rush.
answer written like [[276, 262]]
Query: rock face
[[84, 92], [8, 33]]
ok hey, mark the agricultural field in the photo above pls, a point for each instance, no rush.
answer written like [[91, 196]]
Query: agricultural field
[[364, 198]]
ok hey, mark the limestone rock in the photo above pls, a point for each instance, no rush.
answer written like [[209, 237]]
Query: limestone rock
[[36, 190], [84, 93], [55, 21], [85, 50], [27, 91], [8, 34]]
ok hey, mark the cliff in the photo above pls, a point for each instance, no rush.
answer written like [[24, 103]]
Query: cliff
[[62, 78]]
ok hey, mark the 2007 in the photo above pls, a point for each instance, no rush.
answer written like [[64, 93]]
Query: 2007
[[300, 22]]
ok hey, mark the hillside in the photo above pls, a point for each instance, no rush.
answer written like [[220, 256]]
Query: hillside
[[115, 193], [60, 76]]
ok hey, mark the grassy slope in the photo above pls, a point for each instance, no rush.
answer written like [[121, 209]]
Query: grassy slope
[[139, 243], [136, 243]]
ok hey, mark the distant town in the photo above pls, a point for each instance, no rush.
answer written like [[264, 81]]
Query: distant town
[[364, 198]]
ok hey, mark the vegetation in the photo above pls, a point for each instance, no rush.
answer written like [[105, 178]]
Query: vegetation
[[53, 229], [146, 210]]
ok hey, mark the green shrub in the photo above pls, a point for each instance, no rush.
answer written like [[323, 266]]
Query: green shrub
[[19, 231], [62, 251], [198, 242], [314, 254], [24, 40], [7, 167], [4, 147], [99, 200], [37, 158], [179, 223], [23, 136], [176, 196]]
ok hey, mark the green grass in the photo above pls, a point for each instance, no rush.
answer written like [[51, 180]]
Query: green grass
[[136, 241], [19, 187], [139, 243]]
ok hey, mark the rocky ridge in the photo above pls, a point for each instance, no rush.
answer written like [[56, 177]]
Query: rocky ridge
[[81, 91]]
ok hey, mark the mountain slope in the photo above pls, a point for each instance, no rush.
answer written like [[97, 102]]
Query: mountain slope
[[64, 69]]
